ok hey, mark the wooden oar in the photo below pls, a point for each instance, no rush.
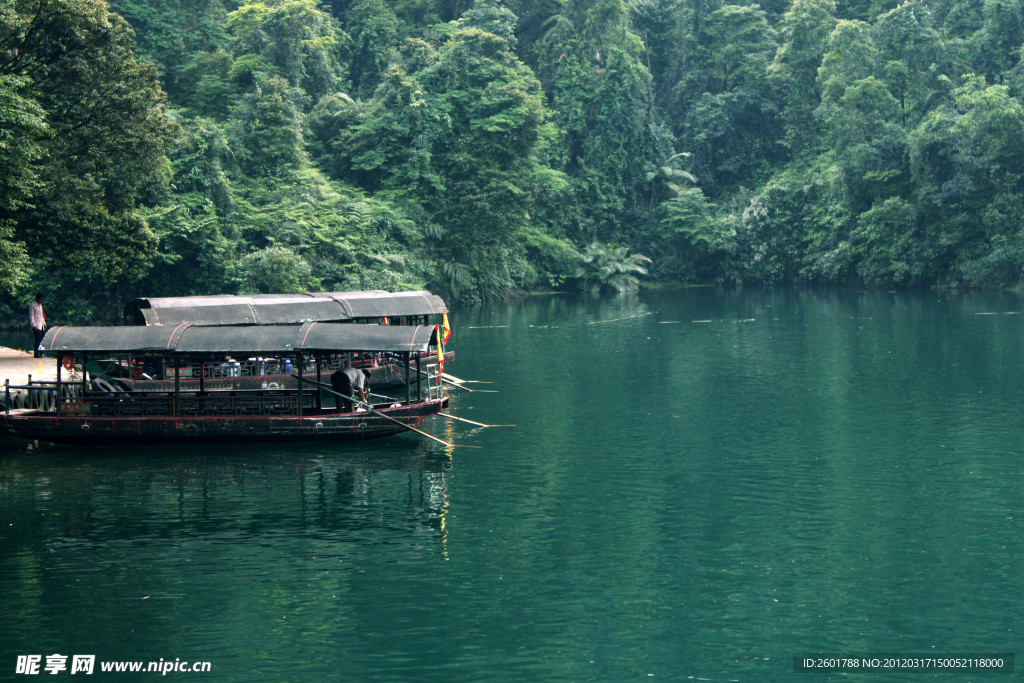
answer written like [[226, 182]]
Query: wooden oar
[[458, 385], [374, 411], [459, 380], [410, 427], [478, 424]]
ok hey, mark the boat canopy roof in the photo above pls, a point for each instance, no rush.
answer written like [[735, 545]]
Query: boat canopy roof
[[280, 309], [188, 339]]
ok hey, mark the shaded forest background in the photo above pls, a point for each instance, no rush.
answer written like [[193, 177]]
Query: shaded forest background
[[476, 147]]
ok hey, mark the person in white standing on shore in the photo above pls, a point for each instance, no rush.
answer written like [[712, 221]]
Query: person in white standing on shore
[[37, 319]]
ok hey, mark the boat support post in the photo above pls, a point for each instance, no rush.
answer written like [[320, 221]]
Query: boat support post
[[298, 370], [177, 389], [419, 379], [319, 394], [408, 389]]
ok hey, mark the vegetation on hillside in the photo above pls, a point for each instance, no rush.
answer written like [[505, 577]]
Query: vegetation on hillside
[[475, 147]]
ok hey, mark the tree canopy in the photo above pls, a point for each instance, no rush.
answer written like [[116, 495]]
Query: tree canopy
[[88, 141], [481, 146]]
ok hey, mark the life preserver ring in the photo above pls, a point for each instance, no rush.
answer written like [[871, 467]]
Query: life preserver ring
[[68, 362]]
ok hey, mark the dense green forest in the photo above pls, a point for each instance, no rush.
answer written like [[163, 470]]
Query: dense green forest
[[473, 147]]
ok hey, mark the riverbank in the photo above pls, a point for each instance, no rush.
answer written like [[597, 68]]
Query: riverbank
[[17, 365]]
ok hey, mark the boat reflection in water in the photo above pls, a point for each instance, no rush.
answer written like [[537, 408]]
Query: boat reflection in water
[[69, 508]]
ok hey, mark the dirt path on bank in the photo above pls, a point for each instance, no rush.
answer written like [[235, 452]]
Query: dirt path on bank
[[17, 365]]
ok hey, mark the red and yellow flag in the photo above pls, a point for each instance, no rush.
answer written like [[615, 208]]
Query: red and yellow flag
[[447, 329]]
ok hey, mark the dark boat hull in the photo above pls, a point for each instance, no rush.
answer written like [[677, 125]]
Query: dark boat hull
[[46, 426]]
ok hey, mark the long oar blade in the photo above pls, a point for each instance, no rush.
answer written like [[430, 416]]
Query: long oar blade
[[478, 424], [458, 385], [459, 380]]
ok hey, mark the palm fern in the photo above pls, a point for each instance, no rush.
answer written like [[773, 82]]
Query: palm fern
[[610, 268], [667, 180]]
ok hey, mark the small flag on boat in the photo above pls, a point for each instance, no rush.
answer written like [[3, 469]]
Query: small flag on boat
[[447, 329]]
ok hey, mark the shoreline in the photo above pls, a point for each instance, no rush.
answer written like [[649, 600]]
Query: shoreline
[[16, 366]]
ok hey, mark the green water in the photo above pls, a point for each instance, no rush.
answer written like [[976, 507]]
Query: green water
[[701, 484]]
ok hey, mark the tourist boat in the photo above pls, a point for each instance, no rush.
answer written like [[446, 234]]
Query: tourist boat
[[186, 407], [366, 307]]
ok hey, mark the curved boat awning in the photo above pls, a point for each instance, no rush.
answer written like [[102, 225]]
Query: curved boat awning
[[376, 304], [282, 309], [186, 339]]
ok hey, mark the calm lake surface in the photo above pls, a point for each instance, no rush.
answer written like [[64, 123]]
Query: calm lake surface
[[702, 484]]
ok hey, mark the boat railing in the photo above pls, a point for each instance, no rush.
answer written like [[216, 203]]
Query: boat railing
[[255, 402], [42, 396], [214, 404], [245, 402], [38, 394]]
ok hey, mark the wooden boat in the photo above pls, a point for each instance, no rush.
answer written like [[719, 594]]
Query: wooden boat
[[368, 307], [87, 409]]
